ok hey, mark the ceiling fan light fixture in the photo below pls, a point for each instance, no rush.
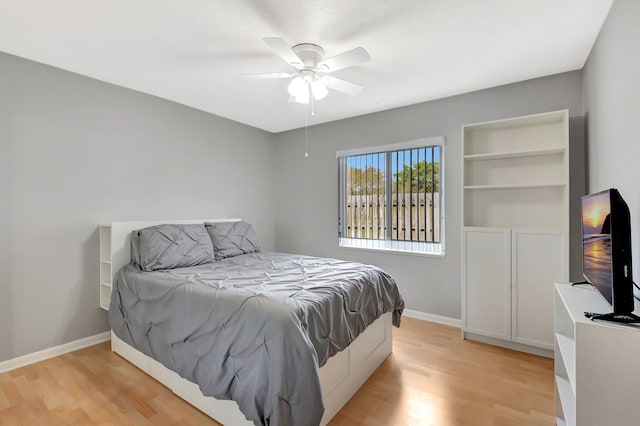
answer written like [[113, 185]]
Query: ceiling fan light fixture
[[302, 97], [297, 86], [319, 90]]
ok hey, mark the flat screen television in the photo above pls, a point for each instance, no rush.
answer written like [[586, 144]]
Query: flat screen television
[[606, 260]]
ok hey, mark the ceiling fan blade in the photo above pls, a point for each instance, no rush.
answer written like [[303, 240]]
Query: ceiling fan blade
[[284, 51], [341, 85], [344, 60], [269, 75]]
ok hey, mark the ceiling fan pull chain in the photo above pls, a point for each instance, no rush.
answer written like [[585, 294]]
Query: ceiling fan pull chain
[[312, 96], [306, 134]]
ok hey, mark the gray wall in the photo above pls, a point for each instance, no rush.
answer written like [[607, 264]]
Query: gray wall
[[612, 106], [75, 152], [307, 201]]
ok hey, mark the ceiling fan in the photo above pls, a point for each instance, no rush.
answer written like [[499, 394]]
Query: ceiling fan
[[310, 78]]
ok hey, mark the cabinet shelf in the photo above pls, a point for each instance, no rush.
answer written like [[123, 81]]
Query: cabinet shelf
[[567, 399], [514, 154], [567, 351], [517, 186]]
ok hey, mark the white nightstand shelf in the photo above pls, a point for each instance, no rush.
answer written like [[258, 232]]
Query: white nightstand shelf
[[105, 266]]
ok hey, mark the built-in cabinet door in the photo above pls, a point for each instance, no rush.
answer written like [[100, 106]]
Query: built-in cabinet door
[[487, 281], [537, 262]]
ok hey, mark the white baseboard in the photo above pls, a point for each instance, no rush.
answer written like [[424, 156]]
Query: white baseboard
[[453, 322], [32, 358]]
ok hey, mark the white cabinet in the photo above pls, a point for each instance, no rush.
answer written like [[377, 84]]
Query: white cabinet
[[596, 363], [488, 282], [536, 263], [509, 276], [515, 227]]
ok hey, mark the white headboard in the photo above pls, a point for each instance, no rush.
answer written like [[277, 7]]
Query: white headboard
[[115, 249], [121, 238]]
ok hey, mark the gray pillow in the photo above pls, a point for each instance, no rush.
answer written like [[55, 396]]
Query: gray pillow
[[172, 246], [233, 238]]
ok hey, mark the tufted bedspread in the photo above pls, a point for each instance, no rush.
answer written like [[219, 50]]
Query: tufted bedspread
[[253, 328]]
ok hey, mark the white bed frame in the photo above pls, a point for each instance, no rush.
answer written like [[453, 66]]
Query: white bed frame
[[340, 377]]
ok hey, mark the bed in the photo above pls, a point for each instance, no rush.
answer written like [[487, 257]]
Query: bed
[[246, 315]]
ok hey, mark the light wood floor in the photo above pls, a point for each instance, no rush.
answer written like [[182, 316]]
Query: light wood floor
[[433, 377]]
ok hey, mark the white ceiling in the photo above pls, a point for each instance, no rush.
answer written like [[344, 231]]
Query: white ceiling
[[191, 51]]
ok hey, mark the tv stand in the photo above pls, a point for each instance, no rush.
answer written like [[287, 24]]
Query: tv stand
[[596, 362], [613, 317]]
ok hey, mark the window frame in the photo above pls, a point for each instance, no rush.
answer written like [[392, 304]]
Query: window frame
[[388, 245]]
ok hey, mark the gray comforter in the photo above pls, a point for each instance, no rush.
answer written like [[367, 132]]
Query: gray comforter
[[253, 328]]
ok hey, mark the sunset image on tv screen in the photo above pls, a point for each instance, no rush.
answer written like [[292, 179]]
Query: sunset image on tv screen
[[596, 231]]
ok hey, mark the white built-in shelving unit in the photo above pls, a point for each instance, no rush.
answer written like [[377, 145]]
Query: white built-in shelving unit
[[597, 371], [106, 276], [515, 234]]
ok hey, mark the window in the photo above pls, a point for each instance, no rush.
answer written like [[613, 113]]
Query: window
[[391, 197]]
